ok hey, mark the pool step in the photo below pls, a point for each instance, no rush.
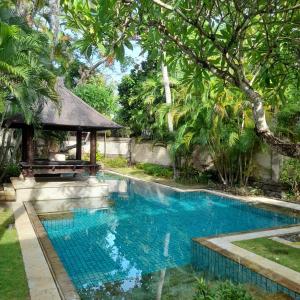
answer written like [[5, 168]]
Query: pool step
[[8, 193]]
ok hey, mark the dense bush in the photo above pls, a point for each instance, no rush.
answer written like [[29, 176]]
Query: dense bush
[[194, 176], [155, 170], [290, 174], [11, 170], [223, 291]]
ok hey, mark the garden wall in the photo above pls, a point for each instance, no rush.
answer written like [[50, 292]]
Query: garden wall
[[129, 148], [267, 163]]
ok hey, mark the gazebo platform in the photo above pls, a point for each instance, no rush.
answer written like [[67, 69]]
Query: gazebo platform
[[47, 167], [33, 189]]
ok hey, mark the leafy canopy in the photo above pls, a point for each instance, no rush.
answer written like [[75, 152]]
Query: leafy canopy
[[99, 95], [25, 76], [249, 45]]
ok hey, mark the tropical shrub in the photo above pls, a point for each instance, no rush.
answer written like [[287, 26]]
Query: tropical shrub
[[10, 170], [222, 125], [290, 174], [229, 291], [26, 79], [155, 170], [191, 175], [222, 291]]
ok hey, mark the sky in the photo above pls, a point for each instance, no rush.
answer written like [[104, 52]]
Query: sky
[[115, 73]]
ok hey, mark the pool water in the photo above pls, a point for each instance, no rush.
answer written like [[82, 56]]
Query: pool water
[[145, 235]]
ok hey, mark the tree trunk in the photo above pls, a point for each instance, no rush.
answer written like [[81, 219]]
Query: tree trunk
[[54, 23], [168, 95], [262, 129]]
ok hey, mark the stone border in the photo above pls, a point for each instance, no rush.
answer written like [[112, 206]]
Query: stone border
[[278, 273], [285, 242], [39, 278], [63, 282], [253, 199]]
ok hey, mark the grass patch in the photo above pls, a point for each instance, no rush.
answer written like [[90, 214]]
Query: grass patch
[[108, 162], [13, 282], [280, 253], [155, 170], [113, 162]]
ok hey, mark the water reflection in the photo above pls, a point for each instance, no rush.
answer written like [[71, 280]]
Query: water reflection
[[138, 245]]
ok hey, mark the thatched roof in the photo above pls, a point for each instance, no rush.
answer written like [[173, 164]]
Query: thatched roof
[[71, 113]]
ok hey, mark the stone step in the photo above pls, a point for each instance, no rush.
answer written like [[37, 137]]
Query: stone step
[[7, 196]]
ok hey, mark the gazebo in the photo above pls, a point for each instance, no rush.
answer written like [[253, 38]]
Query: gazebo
[[70, 114]]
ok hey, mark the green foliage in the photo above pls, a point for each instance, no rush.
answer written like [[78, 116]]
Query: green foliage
[[222, 291], [98, 94], [140, 96], [203, 292], [288, 117], [155, 170], [10, 170], [25, 76], [290, 174], [221, 125], [113, 162], [247, 46], [108, 162], [190, 175], [72, 72], [228, 291]]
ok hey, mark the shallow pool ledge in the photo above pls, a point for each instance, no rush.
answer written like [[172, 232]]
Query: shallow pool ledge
[[219, 258]]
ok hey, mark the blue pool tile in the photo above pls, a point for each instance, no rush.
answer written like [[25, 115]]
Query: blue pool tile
[[149, 231]]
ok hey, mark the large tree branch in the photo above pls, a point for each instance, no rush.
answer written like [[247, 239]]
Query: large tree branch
[[238, 79], [223, 50], [85, 74], [190, 52], [283, 147]]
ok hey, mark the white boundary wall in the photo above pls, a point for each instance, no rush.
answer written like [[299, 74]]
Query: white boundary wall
[[129, 148], [267, 163]]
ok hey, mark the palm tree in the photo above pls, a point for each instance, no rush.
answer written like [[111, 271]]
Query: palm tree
[[25, 76]]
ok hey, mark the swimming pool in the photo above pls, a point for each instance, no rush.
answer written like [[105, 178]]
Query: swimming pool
[[144, 234]]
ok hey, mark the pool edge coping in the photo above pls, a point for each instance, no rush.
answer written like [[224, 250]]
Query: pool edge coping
[[62, 280], [274, 271], [33, 257], [220, 243], [253, 199]]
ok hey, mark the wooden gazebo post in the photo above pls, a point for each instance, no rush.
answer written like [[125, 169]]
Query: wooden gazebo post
[[27, 148], [78, 144], [24, 144], [93, 150]]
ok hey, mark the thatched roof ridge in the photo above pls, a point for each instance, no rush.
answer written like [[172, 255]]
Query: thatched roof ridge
[[71, 113]]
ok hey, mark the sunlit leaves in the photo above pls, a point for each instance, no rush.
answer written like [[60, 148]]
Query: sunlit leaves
[[25, 79]]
